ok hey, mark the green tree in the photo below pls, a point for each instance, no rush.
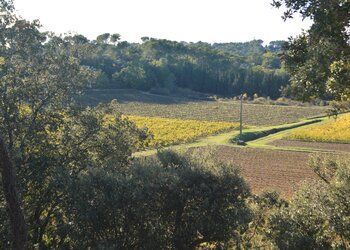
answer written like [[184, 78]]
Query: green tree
[[115, 38], [132, 76], [312, 57], [338, 82], [162, 66], [103, 38], [271, 61], [319, 214], [44, 140], [172, 201]]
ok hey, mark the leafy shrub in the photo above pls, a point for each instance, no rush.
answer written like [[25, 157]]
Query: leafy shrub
[[260, 100], [318, 217], [171, 201]]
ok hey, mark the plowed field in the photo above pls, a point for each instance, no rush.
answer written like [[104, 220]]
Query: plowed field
[[342, 147], [269, 169]]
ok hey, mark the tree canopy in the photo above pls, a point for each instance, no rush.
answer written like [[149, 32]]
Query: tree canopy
[[318, 59], [45, 140], [162, 66]]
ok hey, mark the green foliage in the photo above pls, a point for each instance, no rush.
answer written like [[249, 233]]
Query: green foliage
[[172, 202], [271, 61], [72, 144], [243, 49], [338, 82], [105, 38], [317, 58], [51, 142], [132, 76], [319, 214], [256, 235], [253, 135], [162, 66]]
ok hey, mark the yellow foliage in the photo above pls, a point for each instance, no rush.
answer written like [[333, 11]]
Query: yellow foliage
[[25, 110], [173, 131], [333, 131]]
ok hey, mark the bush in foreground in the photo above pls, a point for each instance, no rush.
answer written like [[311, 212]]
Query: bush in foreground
[[318, 217], [171, 202]]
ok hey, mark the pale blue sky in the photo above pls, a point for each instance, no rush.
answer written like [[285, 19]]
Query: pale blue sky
[[181, 20]]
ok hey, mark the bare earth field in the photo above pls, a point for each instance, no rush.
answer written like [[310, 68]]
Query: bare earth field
[[269, 169], [137, 103], [255, 115], [343, 147]]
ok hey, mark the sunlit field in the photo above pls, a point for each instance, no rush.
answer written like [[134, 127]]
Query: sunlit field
[[336, 130], [173, 131], [254, 115]]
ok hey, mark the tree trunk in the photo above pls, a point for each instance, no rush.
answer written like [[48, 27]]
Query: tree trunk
[[17, 222], [178, 238]]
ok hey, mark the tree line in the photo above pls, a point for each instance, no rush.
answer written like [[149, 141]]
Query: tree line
[[161, 66]]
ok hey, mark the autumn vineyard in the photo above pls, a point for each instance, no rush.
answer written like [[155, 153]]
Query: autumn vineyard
[[134, 141]]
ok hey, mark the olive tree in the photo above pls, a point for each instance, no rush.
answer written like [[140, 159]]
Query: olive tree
[[45, 140], [172, 201], [318, 59], [318, 216]]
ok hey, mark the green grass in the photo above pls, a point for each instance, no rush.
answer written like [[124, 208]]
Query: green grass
[[259, 138], [263, 142], [254, 134], [220, 139]]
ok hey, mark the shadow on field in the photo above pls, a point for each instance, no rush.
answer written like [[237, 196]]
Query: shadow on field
[[93, 97]]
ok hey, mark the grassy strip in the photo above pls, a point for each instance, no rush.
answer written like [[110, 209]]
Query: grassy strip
[[260, 142], [220, 139], [252, 135]]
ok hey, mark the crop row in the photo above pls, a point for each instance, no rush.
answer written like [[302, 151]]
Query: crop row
[[174, 131], [337, 130], [255, 115]]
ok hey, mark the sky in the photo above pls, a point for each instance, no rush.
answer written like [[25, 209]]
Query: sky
[[180, 20]]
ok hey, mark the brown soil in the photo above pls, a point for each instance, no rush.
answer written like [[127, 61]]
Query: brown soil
[[269, 169], [313, 145]]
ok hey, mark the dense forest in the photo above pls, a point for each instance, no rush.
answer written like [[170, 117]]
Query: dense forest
[[161, 66]]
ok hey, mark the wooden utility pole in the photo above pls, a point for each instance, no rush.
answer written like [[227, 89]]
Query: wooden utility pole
[[241, 118]]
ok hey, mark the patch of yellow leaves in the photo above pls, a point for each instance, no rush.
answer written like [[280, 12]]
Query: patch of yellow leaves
[[336, 130], [174, 131]]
